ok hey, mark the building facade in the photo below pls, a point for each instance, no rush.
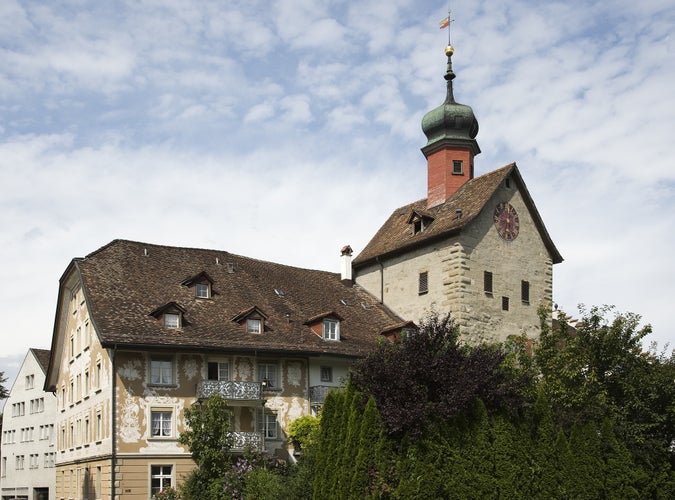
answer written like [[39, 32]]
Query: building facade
[[28, 452], [143, 332]]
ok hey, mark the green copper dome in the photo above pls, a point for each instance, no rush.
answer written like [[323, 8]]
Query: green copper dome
[[451, 121]]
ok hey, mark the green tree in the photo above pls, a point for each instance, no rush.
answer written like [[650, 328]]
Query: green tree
[[208, 437], [4, 393], [600, 370]]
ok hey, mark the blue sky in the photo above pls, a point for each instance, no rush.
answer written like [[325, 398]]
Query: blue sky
[[284, 130]]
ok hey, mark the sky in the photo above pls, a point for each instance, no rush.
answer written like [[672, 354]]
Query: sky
[[284, 130]]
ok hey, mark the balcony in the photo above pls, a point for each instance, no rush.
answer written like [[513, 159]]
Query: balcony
[[318, 393], [230, 390], [244, 441]]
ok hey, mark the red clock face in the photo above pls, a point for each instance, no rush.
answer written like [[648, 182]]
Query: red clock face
[[506, 221]]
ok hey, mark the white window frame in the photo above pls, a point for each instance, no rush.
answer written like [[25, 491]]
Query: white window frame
[[172, 320], [159, 472], [331, 329], [254, 325], [269, 372], [202, 290], [267, 424], [161, 371], [222, 366], [161, 423]]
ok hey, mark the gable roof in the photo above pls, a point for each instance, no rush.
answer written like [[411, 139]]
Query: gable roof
[[42, 356], [396, 236], [125, 281]]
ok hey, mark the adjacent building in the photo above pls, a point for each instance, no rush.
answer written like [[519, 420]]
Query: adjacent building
[[144, 331], [28, 450]]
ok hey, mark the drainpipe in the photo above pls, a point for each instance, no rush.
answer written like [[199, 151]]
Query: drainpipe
[[113, 475], [377, 259]]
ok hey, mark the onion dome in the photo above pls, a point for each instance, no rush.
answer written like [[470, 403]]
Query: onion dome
[[451, 123]]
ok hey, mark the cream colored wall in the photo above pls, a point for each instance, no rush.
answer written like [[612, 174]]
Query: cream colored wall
[[455, 269], [80, 408]]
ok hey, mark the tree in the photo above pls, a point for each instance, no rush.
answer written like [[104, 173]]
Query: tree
[[208, 438], [600, 370], [4, 393], [428, 375]]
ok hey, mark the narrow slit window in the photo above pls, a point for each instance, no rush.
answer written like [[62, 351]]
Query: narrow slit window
[[505, 303], [525, 291], [487, 282], [423, 283]]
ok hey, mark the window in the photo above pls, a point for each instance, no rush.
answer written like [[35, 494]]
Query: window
[[267, 372], [326, 374], [4, 466], [253, 325], [161, 371], [331, 329], [161, 478], [19, 462], [33, 461], [218, 371], [172, 320], [487, 283], [505, 303], [525, 291], [98, 374], [423, 283], [161, 423], [87, 383], [202, 291], [99, 427], [267, 424], [30, 381], [457, 167], [87, 436]]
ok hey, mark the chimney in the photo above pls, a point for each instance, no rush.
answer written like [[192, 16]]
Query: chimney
[[346, 263]]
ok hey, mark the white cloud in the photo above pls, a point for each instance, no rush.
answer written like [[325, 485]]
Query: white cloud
[[198, 124]]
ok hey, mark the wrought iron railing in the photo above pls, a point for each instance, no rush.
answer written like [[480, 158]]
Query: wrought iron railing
[[231, 390], [242, 441], [318, 393]]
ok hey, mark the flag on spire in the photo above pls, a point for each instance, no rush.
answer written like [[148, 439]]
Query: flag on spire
[[445, 22]]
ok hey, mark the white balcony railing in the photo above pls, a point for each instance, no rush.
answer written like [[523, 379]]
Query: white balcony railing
[[230, 390], [242, 441]]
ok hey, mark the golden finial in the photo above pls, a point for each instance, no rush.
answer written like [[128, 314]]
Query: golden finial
[[449, 50]]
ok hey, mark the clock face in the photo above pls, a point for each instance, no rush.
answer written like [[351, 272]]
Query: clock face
[[506, 221]]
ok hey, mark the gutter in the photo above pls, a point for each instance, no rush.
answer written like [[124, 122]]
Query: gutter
[[113, 413]]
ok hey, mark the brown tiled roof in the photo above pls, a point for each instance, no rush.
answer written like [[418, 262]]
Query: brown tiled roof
[[125, 281], [396, 235], [42, 355]]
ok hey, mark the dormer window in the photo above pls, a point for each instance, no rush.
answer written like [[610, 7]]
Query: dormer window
[[172, 320], [202, 285], [326, 325], [419, 221], [331, 329], [254, 319], [202, 290], [254, 325], [171, 315]]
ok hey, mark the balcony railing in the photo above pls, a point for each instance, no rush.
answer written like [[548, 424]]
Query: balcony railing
[[318, 393], [230, 390], [242, 441]]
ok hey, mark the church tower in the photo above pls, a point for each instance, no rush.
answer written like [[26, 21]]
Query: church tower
[[451, 131]]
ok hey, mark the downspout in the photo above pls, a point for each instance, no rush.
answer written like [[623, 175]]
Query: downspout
[[113, 475], [377, 259]]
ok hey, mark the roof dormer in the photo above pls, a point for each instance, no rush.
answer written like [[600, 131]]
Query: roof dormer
[[398, 331], [202, 285], [170, 314], [254, 318], [419, 220], [326, 325]]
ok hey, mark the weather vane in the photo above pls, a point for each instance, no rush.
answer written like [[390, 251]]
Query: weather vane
[[445, 23]]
